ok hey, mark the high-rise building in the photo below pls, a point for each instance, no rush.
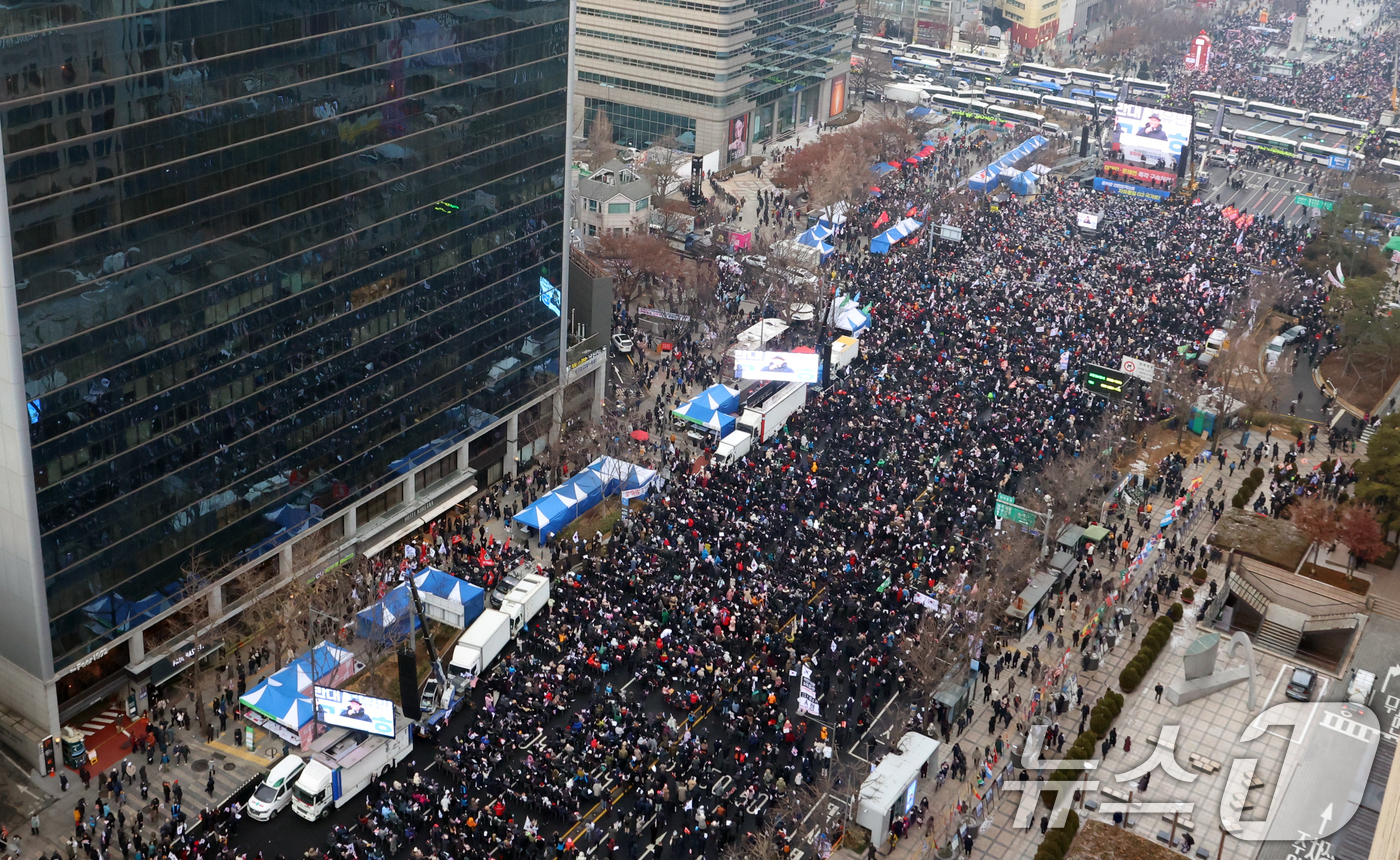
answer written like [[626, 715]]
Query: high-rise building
[[716, 77], [268, 267]]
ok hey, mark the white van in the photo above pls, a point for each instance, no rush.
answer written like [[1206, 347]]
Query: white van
[[275, 793], [1359, 690], [1273, 352]]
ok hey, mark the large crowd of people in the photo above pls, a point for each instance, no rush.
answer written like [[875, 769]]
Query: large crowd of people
[[655, 696]]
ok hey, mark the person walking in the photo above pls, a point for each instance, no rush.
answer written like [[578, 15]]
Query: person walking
[[1158, 690]]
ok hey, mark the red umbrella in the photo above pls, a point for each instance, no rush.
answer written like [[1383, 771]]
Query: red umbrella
[[640, 435]]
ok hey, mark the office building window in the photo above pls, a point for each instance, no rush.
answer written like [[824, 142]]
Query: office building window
[[379, 505], [434, 472]]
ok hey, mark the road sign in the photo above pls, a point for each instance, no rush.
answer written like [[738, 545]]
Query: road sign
[[1138, 368], [1339, 162], [949, 232], [1006, 509], [1310, 202], [1102, 380]]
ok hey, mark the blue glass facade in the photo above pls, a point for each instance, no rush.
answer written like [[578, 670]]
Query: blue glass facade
[[264, 249]]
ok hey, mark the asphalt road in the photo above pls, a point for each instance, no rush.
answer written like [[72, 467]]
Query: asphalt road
[[1271, 193]]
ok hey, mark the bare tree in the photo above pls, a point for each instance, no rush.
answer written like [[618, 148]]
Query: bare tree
[[598, 144], [662, 166]]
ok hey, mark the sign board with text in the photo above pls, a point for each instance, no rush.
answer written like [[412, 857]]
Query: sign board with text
[[1310, 202], [1138, 368], [1006, 509], [1105, 381]]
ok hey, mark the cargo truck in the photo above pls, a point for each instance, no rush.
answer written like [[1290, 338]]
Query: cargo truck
[[525, 600], [479, 645], [345, 761], [763, 421]]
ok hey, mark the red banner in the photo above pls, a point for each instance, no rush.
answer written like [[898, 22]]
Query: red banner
[[1115, 170]]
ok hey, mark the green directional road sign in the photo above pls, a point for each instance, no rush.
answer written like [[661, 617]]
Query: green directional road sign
[[1310, 202], [1006, 509]]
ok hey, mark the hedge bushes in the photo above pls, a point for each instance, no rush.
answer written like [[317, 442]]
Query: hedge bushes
[[1246, 490], [1085, 746], [1152, 644], [1056, 842]]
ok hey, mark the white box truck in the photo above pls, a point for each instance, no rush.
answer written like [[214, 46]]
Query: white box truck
[[479, 645], [907, 93], [526, 600], [345, 761], [764, 421], [733, 446]]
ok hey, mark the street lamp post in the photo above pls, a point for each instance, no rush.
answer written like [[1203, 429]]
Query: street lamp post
[[1045, 536]]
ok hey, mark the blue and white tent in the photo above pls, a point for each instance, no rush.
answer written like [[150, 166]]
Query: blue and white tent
[[882, 243], [603, 477], [811, 240], [718, 398], [848, 316]]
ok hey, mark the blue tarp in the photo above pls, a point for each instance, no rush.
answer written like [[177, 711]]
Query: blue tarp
[[918, 112], [882, 243], [882, 168]]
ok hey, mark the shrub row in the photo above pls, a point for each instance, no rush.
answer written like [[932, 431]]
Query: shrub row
[[1085, 746], [1246, 490], [1056, 842], [1152, 644]]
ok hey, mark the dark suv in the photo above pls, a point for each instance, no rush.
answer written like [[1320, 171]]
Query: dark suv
[[1300, 686]]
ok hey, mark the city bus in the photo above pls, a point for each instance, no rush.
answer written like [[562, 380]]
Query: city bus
[[1277, 113], [1203, 98], [948, 103], [1002, 95], [970, 74], [1037, 72], [1088, 76], [1391, 166], [990, 64], [1319, 154], [1338, 124], [1094, 95], [1045, 86], [1203, 129], [1146, 89], [1070, 105], [929, 51], [1006, 114], [911, 65], [881, 45], [1265, 142], [1392, 136]]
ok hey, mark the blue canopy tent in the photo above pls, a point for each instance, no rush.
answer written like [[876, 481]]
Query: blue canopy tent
[[282, 695], [882, 168], [918, 112], [847, 315], [692, 410], [985, 179], [718, 398], [603, 477], [449, 599], [386, 622], [1023, 184], [813, 242], [882, 243]]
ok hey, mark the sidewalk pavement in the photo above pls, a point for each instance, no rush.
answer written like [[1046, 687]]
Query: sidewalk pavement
[[998, 837]]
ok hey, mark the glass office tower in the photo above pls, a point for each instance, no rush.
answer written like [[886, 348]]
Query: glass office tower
[[261, 253]]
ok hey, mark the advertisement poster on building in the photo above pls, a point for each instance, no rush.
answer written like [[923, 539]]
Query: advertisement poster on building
[[838, 96], [738, 141]]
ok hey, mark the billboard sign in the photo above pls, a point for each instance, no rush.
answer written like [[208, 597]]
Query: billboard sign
[[350, 710], [1088, 220], [1105, 381], [1149, 136], [782, 366], [550, 296], [838, 96], [738, 137]]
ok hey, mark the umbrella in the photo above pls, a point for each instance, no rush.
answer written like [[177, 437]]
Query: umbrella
[[640, 435]]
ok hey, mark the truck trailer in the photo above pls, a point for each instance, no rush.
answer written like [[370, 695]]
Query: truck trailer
[[343, 762]]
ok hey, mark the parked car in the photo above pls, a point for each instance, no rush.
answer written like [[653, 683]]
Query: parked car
[[1300, 686], [1294, 333]]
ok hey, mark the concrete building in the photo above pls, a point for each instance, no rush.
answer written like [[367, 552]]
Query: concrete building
[[270, 269], [719, 77]]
